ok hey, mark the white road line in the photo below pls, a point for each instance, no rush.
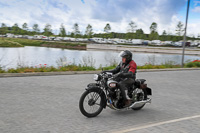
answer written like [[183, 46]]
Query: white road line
[[157, 124]]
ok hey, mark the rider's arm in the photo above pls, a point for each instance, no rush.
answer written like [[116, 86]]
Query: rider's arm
[[131, 72], [114, 71], [127, 75]]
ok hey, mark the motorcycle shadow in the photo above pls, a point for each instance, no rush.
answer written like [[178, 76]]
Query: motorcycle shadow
[[130, 112]]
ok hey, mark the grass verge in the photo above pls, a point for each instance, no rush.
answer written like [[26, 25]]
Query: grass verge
[[73, 67], [9, 42]]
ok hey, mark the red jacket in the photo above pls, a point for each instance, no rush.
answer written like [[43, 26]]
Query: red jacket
[[132, 66], [128, 71]]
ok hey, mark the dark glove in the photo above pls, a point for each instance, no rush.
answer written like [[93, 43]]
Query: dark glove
[[106, 71], [103, 72], [118, 75]]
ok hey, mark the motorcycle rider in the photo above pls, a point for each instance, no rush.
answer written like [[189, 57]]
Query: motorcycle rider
[[126, 70]]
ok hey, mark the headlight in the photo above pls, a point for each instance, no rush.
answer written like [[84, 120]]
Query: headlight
[[112, 85], [96, 77]]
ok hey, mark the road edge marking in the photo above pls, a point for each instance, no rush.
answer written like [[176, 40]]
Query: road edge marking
[[157, 124]]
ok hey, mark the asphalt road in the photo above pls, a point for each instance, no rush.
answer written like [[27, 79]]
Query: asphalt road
[[49, 104]]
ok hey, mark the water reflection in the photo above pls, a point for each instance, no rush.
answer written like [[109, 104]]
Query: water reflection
[[32, 56]]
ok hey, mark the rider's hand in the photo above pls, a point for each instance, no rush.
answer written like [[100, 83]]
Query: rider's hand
[[119, 75], [103, 72]]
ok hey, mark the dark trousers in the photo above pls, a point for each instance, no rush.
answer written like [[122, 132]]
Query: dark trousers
[[123, 85]]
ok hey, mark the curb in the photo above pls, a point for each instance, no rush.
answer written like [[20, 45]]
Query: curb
[[2, 75]]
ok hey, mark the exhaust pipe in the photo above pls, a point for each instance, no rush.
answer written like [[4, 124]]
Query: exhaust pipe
[[140, 103]]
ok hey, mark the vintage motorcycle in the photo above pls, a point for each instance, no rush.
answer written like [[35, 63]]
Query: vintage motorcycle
[[105, 92]]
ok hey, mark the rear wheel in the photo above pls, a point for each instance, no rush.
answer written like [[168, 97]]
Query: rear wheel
[[140, 97], [90, 103]]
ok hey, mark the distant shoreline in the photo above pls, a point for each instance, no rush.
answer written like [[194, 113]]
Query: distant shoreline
[[19, 42], [145, 49]]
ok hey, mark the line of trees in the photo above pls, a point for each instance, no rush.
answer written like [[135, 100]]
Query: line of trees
[[132, 32]]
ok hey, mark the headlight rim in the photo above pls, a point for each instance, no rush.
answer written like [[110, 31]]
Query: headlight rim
[[112, 85]]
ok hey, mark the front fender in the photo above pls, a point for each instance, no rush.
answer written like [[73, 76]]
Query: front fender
[[90, 85], [101, 92]]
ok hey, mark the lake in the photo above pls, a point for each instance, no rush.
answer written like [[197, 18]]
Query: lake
[[34, 56]]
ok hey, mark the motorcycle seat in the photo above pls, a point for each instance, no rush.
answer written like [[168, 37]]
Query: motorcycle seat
[[140, 81]]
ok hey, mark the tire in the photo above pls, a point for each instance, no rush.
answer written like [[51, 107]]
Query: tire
[[89, 96]]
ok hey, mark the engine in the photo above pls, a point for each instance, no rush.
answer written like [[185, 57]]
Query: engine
[[117, 99]]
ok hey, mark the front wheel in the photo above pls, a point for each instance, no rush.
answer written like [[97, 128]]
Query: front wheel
[[90, 103]]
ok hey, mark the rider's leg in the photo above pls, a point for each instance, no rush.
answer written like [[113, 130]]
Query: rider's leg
[[124, 90]]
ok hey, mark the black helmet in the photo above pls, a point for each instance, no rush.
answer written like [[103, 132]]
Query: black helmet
[[126, 54]]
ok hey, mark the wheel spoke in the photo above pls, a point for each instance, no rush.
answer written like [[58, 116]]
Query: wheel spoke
[[88, 97], [97, 104], [95, 94], [91, 95], [97, 98], [91, 102]]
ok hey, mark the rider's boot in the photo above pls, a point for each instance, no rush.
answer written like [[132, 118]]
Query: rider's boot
[[128, 101]]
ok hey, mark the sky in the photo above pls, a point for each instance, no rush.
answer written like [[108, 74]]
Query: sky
[[118, 13]]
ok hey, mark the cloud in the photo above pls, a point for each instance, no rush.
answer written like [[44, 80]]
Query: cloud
[[143, 13], [3, 5], [196, 3], [116, 10], [38, 11], [196, 9], [95, 12]]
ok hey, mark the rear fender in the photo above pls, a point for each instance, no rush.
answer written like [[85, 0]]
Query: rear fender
[[148, 90], [102, 94]]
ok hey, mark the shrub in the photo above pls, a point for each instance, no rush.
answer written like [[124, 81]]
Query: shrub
[[108, 67], [12, 70], [1, 70], [195, 63]]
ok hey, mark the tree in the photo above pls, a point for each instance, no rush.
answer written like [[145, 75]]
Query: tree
[[3, 25], [36, 28], [164, 36], [25, 26], [164, 33], [179, 28], [47, 30], [62, 31], [15, 28], [107, 28], [132, 27], [76, 29], [153, 27], [25, 29], [153, 34], [130, 35], [198, 35], [3, 29], [88, 30], [71, 34], [139, 34]]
